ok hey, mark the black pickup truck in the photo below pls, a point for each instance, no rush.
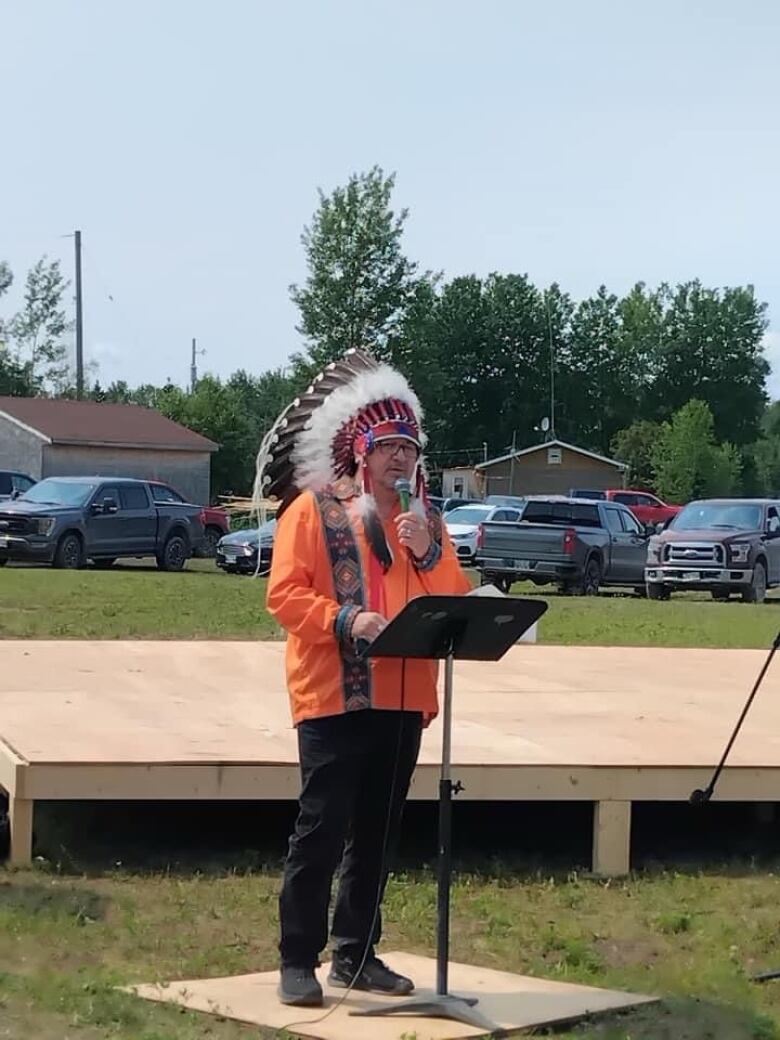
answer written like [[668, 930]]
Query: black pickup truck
[[576, 544], [66, 521]]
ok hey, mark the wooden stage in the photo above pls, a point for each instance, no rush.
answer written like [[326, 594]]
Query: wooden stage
[[209, 720]]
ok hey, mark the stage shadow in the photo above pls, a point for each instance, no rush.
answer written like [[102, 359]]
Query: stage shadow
[[494, 839]]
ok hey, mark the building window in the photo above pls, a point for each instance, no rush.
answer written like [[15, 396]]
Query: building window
[[554, 456]]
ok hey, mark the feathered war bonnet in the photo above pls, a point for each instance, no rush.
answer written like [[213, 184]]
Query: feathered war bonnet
[[317, 442]]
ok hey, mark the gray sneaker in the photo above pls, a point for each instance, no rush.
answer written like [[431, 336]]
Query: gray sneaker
[[375, 977], [299, 987]]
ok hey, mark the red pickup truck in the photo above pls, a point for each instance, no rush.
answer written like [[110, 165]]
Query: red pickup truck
[[646, 507], [216, 522]]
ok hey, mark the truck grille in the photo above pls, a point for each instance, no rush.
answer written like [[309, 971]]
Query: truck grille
[[12, 524], [694, 552]]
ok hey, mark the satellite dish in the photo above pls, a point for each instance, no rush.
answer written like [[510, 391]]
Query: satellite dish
[[545, 424]]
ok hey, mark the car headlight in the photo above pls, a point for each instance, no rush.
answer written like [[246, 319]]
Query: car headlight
[[739, 552], [43, 525], [653, 550]]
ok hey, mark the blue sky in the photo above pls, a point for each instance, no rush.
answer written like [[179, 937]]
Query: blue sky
[[577, 142]]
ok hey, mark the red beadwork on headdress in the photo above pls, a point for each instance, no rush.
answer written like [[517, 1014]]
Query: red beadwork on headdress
[[388, 418]]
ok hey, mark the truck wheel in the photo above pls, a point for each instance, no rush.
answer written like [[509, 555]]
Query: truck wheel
[[174, 554], [70, 553], [756, 591], [211, 537], [3, 561], [588, 584], [656, 591]]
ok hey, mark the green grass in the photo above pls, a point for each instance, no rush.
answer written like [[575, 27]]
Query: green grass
[[67, 942], [133, 602], [136, 602]]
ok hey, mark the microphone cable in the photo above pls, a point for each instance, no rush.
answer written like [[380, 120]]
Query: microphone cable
[[385, 840]]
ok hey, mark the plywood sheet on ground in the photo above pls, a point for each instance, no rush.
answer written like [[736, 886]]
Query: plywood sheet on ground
[[512, 1002]]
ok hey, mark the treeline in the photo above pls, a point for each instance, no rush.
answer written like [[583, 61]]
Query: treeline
[[670, 379]]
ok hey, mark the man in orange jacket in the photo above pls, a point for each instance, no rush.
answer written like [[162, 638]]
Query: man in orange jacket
[[347, 559]]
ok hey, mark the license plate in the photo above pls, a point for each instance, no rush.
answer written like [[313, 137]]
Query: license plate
[[691, 575], [522, 565]]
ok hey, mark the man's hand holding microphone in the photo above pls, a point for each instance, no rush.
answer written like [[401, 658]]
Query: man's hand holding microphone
[[414, 535], [413, 530]]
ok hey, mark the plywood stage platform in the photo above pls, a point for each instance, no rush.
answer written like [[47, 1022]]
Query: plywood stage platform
[[210, 720]]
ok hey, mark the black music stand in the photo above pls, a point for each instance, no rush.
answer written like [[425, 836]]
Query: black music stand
[[472, 628]]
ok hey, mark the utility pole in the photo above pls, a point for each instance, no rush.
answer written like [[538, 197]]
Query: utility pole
[[552, 375], [79, 323], [194, 366]]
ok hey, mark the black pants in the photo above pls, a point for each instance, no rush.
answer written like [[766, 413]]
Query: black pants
[[348, 763]]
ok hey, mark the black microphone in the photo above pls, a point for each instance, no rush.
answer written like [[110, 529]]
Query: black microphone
[[404, 489]]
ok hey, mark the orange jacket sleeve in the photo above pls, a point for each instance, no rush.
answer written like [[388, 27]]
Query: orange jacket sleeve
[[291, 597]]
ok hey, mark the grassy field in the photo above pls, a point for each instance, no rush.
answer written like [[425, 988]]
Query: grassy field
[[67, 942], [202, 603]]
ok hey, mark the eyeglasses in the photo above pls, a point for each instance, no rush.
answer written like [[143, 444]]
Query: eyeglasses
[[406, 448]]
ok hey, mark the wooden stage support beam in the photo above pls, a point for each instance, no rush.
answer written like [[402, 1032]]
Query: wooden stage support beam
[[611, 838], [21, 820]]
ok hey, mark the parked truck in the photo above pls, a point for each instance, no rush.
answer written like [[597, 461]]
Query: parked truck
[[720, 546], [577, 544], [647, 508], [66, 521], [216, 521]]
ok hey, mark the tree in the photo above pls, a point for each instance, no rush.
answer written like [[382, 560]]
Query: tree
[[235, 413], [635, 446], [359, 280], [598, 379], [14, 375], [765, 458], [687, 461], [770, 422], [761, 460], [478, 354], [6, 280], [712, 350], [38, 329]]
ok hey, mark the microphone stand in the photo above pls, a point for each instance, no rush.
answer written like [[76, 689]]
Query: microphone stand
[[699, 796]]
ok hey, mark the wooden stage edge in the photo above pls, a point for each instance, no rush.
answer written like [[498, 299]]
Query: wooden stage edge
[[209, 721]]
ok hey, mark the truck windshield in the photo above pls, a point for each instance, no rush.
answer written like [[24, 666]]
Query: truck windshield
[[699, 516], [59, 493]]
